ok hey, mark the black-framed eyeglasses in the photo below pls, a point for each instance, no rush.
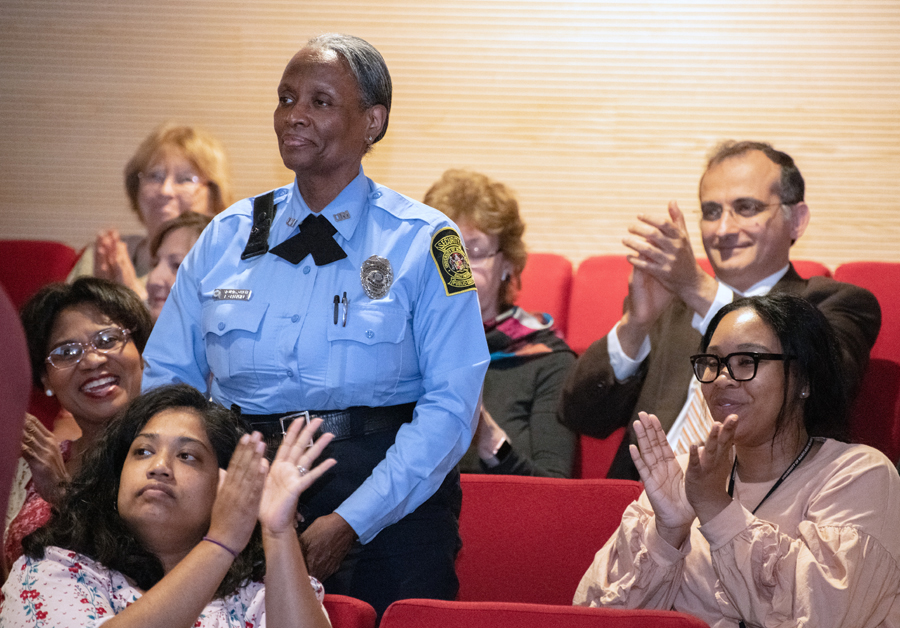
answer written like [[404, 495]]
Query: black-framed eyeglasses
[[741, 365], [741, 208], [104, 341]]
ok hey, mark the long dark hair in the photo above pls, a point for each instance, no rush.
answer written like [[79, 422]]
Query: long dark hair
[[805, 333], [87, 521]]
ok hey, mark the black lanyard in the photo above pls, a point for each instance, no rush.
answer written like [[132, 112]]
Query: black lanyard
[[783, 477]]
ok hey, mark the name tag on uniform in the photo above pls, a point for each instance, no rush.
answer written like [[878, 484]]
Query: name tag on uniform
[[231, 294]]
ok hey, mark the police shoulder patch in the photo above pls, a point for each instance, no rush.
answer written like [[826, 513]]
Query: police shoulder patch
[[451, 261]]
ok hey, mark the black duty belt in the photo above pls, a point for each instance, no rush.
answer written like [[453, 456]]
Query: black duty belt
[[355, 421]]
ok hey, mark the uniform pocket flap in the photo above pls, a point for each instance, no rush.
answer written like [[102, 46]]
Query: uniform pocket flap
[[370, 323], [221, 317]]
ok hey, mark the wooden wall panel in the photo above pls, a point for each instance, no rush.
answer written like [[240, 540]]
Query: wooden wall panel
[[592, 111]]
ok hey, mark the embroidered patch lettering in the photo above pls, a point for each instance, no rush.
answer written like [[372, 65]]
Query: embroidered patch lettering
[[451, 261]]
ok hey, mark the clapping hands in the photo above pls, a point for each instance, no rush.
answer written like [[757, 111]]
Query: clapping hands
[[663, 480], [112, 261], [708, 469], [40, 449], [252, 490], [290, 474], [678, 497]]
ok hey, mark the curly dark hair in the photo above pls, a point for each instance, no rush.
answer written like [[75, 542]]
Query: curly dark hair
[[114, 300], [87, 521], [806, 334]]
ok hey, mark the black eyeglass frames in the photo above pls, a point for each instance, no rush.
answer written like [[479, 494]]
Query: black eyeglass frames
[[741, 365]]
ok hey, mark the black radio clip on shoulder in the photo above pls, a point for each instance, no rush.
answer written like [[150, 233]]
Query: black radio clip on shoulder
[[263, 215]]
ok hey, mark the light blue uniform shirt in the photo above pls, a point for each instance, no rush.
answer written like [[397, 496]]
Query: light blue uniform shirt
[[279, 350]]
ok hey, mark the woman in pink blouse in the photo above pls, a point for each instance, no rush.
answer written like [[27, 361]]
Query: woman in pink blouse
[[773, 521], [153, 532]]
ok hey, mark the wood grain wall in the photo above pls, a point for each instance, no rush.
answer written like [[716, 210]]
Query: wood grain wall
[[593, 111]]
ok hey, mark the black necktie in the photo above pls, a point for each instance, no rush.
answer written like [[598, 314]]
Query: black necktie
[[315, 238]]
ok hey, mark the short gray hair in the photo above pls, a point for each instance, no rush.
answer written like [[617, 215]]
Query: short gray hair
[[368, 67]]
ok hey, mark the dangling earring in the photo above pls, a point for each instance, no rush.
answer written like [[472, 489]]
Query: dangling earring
[[48, 392], [504, 276]]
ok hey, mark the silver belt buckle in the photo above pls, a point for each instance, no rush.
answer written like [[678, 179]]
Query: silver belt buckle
[[290, 418]]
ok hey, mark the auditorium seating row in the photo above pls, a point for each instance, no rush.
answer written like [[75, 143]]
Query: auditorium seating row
[[347, 612], [585, 304], [519, 566]]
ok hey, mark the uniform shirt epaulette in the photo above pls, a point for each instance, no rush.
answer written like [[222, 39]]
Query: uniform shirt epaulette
[[404, 207]]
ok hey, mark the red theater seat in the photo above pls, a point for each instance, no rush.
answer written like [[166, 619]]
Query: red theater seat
[[439, 613], [598, 292], [529, 539], [875, 418], [15, 381], [546, 285], [348, 612], [596, 455], [26, 265]]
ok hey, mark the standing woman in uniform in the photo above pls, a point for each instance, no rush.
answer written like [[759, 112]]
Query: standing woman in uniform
[[342, 298]]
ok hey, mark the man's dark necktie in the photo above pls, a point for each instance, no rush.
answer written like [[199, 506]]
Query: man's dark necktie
[[316, 239]]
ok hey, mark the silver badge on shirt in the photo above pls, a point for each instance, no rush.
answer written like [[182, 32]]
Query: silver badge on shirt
[[376, 277]]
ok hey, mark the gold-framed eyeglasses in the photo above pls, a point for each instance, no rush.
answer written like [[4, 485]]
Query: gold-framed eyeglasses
[[104, 341], [741, 366], [182, 182], [476, 254], [740, 208]]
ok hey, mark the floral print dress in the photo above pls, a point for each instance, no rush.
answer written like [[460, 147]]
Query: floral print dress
[[65, 590]]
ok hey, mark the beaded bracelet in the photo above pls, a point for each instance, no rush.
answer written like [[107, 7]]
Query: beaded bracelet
[[222, 545]]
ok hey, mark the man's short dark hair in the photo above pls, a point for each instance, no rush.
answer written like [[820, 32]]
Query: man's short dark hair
[[791, 188]]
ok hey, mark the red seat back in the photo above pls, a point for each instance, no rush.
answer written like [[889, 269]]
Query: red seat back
[[599, 289], [875, 418], [434, 613], [15, 382], [26, 265], [546, 286], [529, 539], [348, 612], [596, 455]]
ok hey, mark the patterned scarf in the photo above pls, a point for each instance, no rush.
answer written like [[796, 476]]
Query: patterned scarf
[[516, 334]]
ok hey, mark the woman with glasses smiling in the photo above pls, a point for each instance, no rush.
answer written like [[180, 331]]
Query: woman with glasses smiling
[[85, 341], [175, 169], [517, 433], [774, 520]]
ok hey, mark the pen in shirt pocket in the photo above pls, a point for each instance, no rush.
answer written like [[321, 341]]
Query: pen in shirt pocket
[[338, 301]]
